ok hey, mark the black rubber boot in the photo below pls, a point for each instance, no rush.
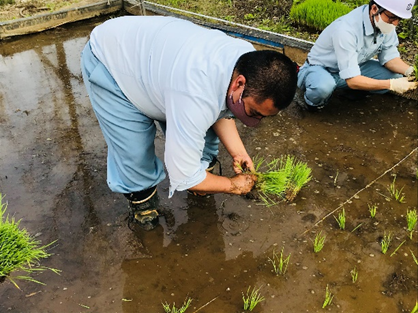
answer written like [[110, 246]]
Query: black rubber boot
[[143, 208]]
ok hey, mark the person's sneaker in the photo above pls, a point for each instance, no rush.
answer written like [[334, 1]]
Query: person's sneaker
[[144, 212]]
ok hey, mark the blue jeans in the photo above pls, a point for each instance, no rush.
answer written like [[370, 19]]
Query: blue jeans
[[318, 83], [132, 165]]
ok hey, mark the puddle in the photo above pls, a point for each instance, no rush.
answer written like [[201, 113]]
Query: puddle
[[53, 169]]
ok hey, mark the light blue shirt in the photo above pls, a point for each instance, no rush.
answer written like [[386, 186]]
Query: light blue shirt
[[349, 41], [176, 72]]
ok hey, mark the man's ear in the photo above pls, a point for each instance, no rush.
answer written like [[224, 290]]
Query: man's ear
[[238, 82]]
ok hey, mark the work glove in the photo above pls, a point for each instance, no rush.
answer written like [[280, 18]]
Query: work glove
[[409, 71], [401, 85]]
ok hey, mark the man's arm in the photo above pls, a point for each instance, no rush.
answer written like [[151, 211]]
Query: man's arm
[[227, 132], [361, 82], [396, 65]]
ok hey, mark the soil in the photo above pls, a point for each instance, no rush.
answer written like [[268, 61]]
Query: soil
[[53, 175]]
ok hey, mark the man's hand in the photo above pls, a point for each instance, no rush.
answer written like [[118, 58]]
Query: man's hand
[[242, 184], [242, 163], [401, 85]]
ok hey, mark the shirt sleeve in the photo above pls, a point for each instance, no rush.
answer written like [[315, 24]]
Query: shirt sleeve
[[188, 118], [345, 46], [389, 49]]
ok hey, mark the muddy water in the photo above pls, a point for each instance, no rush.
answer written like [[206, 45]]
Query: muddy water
[[53, 169]]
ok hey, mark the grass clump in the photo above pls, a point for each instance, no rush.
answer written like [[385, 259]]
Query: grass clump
[[328, 298], [411, 220], [252, 299], [19, 251], [319, 242], [173, 309], [372, 210], [281, 179], [354, 274], [279, 263], [396, 193], [385, 243], [341, 219], [318, 14]]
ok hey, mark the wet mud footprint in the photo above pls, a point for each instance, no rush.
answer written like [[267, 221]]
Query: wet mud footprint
[[233, 224]]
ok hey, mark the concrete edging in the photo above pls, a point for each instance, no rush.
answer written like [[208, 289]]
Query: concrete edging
[[46, 21]]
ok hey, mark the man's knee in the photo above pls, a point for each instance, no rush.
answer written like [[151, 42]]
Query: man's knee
[[319, 94]]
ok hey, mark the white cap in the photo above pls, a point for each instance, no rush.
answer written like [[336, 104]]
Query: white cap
[[401, 8]]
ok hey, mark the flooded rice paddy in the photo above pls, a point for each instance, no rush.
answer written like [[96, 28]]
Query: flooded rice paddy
[[53, 175]]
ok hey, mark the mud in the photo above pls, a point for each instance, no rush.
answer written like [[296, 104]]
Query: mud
[[53, 174]]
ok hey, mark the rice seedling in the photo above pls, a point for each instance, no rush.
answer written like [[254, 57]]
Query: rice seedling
[[415, 309], [372, 210], [281, 179], [414, 257], [397, 248], [341, 219], [396, 193], [252, 299], [319, 242], [411, 220], [385, 243], [328, 298], [358, 226], [279, 263], [173, 309], [354, 274], [19, 251], [318, 13]]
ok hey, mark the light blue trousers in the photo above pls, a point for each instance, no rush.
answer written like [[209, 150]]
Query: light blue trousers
[[132, 165], [319, 84]]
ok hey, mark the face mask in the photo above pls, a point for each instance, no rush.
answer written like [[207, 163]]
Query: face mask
[[238, 109], [384, 27]]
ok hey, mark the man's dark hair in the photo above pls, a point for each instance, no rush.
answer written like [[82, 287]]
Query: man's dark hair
[[269, 75]]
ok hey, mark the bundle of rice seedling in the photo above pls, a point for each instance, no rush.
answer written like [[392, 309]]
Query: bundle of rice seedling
[[19, 252], [281, 179]]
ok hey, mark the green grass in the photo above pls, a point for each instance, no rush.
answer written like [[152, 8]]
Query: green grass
[[318, 14], [19, 251], [414, 257], [319, 242], [4, 2], [396, 193], [341, 219], [372, 210], [385, 243], [280, 263], [328, 298], [354, 274], [281, 179], [173, 309], [397, 248], [411, 220], [252, 299], [415, 309]]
